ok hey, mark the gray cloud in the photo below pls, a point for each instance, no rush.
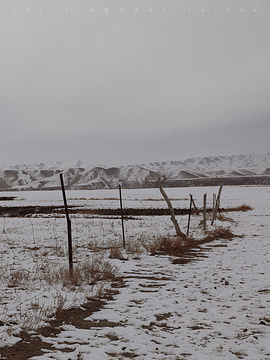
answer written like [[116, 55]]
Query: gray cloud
[[113, 88]]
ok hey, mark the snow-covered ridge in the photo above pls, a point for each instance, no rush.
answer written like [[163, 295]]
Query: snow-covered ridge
[[79, 175]]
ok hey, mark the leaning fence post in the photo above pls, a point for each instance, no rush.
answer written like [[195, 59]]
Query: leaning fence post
[[175, 223], [68, 227], [122, 217]]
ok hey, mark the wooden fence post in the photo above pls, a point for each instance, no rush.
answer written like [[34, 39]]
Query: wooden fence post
[[195, 207], [215, 209], [175, 223], [214, 200], [204, 211], [189, 214], [70, 260], [122, 217]]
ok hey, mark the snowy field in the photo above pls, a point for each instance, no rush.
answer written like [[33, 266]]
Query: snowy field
[[215, 308]]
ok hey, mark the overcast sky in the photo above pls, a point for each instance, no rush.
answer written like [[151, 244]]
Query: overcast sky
[[127, 82]]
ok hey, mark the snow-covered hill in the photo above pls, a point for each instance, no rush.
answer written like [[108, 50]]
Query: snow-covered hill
[[235, 169]]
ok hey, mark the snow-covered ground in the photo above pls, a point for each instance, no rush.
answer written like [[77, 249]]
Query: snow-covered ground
[[214, 308]]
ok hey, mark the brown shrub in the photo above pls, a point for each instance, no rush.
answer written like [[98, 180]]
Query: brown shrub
[[150, 245], [170, 244], [222, 217], [242, 207], [18, 277], [134, 247], [88, 272], [116, 253], [218, 233]]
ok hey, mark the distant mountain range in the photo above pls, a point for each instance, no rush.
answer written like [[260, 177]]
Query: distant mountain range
[[212, 170]]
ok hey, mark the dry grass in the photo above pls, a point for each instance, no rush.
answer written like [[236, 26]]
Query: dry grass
[[222, 217], [173, 245], [150, 245], [38, 312], [18, 277], [116, 253], [218, 233], [89, 272], [93, 245], [134, 247], [58, 251], [243, 207], [164, 244], [170, 244]]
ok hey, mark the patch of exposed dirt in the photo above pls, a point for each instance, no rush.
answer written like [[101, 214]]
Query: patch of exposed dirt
[[164, 316], [21, 211], [7, 198], [32, 345], [124, 354], [189, 250]]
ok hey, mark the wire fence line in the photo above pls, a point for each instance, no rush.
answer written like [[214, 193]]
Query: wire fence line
[[41, 240], [46, 237], [32, 250]]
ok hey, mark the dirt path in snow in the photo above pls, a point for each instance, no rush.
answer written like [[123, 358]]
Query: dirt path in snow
[[151, 279], [214, 308]]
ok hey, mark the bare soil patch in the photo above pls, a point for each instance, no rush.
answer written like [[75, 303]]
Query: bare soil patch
[[7, 198], [21, 211], [32, 344]]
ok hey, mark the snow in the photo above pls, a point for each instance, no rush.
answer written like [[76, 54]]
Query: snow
[[79, 175], [213, 308]]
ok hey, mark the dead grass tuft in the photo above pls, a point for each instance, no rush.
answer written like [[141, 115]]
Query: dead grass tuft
[[134, 247], [150, 245], [222, 217], [116, 253], [243, 207], [218, 233], [93, 245], [18, 277], [38, 312], [185, 250], [88, 272], [171, 245]]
